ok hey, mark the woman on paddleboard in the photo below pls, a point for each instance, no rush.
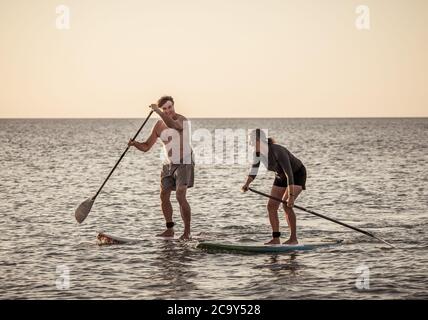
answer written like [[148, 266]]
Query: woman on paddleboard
[[290, 179]]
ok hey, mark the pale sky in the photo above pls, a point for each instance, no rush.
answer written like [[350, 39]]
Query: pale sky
[[218, 58]]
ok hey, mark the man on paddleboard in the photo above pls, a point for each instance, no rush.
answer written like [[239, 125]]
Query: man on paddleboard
[[177, 172], [290, 179]]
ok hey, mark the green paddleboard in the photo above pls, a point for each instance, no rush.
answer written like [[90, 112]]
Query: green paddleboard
[[275, 248]]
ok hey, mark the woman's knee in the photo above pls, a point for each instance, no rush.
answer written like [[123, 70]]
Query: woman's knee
[[287, 209], [272, 206]]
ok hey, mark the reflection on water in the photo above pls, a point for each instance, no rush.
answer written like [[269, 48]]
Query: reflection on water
[[174, 262], [278, 263]]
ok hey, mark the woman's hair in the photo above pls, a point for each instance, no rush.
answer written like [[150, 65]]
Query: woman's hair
[[261, 135]]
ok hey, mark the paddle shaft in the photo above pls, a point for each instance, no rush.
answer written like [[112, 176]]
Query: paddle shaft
[[123, 154], [322, 216]]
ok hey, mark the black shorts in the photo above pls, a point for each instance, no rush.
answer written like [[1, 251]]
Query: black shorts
[[299, 179]]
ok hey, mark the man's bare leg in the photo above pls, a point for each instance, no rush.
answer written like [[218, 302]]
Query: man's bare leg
[[167, 212], [184, 210]]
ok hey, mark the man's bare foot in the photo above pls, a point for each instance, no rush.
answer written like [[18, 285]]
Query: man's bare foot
[[186, 236], [166, 233], [274, 241], [291, 242]]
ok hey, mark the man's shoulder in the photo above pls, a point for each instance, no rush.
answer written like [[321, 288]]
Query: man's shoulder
[[159, 126], [181, 117], [158, 123]]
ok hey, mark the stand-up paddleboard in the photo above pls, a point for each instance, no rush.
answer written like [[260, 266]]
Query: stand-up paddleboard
[[108, 239], [273, 248]]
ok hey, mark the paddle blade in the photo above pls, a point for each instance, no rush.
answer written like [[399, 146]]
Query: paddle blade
[[83, 210]]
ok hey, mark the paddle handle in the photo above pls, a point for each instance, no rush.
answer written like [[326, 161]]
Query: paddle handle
[[121, 157]]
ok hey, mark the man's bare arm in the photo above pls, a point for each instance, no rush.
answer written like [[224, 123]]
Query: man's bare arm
[[148, 144], [171, 123]]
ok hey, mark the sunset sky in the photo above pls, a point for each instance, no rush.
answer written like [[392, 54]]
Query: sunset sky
[[218, 58]]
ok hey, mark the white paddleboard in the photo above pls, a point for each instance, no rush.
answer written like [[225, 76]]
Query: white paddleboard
[[108, 239]]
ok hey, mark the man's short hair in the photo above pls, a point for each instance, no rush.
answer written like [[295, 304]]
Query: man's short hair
[[165, 99]]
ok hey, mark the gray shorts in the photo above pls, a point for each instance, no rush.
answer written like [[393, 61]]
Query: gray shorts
[[174, 175]]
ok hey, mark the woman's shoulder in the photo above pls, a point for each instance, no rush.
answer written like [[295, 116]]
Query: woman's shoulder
[[278, 149]]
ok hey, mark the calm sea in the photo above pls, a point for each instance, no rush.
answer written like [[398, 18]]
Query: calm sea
[[371, 173]]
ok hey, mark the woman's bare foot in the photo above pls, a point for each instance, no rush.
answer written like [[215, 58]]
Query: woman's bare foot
[[274, 241], [167, 233], [291, 242]]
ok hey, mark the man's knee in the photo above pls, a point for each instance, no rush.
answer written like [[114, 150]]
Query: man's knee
[[165, 195], [181, 195]]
